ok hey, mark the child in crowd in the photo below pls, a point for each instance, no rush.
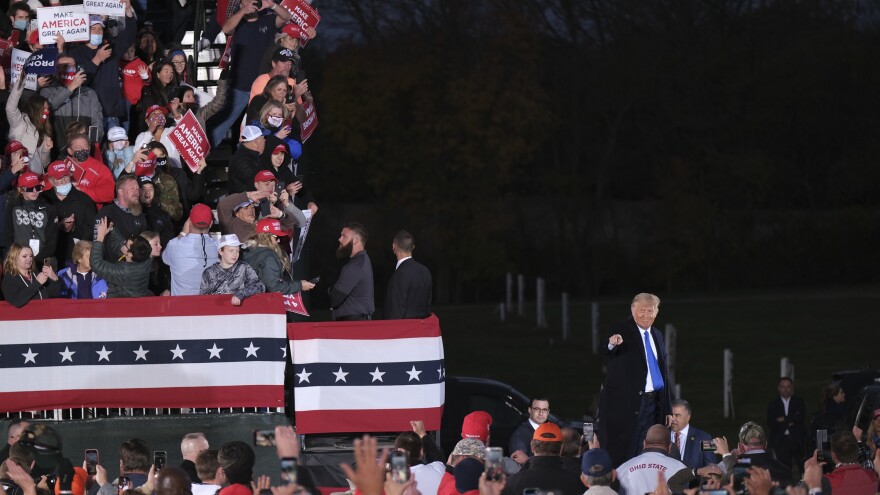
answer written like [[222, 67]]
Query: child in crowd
[[230, 275]]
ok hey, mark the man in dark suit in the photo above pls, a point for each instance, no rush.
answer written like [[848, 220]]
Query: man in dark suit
[[686, 440], [634, 396], [785, 417], [409, 290]]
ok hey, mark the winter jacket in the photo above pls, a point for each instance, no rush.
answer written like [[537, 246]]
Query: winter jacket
[[104, 78], [132, 84], [96, 180], [239, 280], [267, 265], [67, 276], [80, 105], [124, 279], [18, 291], [21, 129]]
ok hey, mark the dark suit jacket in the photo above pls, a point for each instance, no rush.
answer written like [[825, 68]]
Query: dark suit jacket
[[694, 456], [521, 438], [779, 472], [409, 292], [627, 370], [797, 411]]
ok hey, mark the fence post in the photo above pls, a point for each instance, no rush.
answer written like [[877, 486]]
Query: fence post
[[520, 293], [786, 368], [508, 291], [594, 319], [565, 321], [729, 410], [541, 319], [501, 311]]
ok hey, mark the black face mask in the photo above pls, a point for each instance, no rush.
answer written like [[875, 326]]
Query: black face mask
[[81, 155], [161, 162]]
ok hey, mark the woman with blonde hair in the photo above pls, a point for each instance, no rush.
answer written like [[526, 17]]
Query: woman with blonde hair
[[21, 283], [272, 264]]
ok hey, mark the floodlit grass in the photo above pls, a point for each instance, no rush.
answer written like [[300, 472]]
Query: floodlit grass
[[819, 332]]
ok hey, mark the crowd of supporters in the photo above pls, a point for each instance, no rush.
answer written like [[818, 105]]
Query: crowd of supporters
[[95, 199]]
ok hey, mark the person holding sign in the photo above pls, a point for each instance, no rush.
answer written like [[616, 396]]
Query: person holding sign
[[32, 126], [71, 100], [254, 27], [100, 57]]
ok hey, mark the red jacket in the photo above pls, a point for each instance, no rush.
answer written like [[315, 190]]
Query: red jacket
[[96, 180], [852, 480]]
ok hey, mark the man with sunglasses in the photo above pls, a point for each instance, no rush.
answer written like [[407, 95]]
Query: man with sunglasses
[[34, 222]]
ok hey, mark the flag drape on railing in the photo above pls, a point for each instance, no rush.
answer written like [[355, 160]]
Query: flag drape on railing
[[188, 351], [367, 376]]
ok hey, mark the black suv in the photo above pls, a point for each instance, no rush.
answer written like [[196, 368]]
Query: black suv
[[508, 406]]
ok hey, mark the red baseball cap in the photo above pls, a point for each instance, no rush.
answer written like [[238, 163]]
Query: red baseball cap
[[280, 149], [201, 216], [156, 108], [14, 146], [476, 425], [292, 30], [270, 226], [264, 176], [28, 179], [58, 169]]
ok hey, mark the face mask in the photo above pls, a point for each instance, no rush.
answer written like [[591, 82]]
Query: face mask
[[44, 115], [160, 162], [118, 145], [21, 24], [63, 189], [191, 106], [81, 155], [67, 76], [275, 121], [96, 39]]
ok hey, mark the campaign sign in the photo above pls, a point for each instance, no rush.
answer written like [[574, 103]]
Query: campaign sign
[[42, 62], [70, 21], [227, 54], [311, 123], [16, 69], [303, 15], [75, 168], [190, 140], [104, 7], [293, 303]]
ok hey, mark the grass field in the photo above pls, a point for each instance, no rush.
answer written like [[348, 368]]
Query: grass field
[[820, 332]]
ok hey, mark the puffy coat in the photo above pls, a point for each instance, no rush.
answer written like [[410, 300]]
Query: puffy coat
[[123, 279]]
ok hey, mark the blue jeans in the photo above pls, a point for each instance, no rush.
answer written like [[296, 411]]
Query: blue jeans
[[239, 103]]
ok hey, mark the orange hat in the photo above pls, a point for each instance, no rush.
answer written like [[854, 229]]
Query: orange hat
[[548, 432]]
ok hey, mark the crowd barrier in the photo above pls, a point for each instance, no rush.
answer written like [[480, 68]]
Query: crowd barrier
[[167, 355]]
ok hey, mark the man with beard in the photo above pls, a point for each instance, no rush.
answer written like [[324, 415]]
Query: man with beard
[[158, 220], [76, 211], [126, 215], [90, 176], [351, 297]]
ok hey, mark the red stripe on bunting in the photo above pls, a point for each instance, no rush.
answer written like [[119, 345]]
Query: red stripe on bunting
[[232, 396], [269, 303], [364, 420], [365, 330]]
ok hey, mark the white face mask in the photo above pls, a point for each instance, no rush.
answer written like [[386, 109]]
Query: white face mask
[[275, 121], [118, 145], [64, 189]]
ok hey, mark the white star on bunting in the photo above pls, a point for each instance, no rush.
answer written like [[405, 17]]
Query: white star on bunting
[[104, 354], [141, 353], [413, 374], [340, 375], [30, 356], [67, 355], [215, 352], [251, 350], [304, 376], [178, 352], [377, 375]]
